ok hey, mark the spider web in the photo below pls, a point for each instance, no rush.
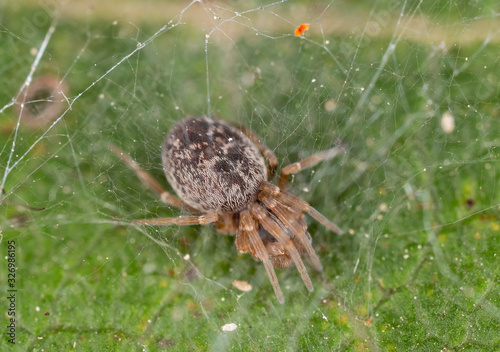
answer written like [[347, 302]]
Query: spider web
[[411, 88]]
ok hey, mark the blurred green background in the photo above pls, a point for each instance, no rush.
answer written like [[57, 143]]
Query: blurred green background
[[411, 87]]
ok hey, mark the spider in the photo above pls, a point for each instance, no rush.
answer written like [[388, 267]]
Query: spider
[[220, 176]]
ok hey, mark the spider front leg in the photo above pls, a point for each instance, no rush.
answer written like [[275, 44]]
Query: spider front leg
[[180, 220], [308, 162], [287, 247], [300, 204], [150, 182], [294, 221]]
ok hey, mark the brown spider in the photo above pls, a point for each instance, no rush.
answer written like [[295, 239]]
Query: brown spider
[[220, 176]]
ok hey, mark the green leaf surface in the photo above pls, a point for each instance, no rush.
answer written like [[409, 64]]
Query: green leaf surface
[[411, 88]]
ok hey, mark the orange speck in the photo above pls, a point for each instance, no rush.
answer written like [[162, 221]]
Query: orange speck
[[369, 321], [301, 29]]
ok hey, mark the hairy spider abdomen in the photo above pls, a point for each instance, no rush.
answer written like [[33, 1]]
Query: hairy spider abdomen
[[212, 166]]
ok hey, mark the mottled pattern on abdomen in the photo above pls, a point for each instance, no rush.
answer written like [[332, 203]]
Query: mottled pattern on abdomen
[[212, 166]]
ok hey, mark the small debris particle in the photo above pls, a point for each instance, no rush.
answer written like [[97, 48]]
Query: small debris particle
[[470, 203], [330, 105], [242, 285], [301, 29], [46, 313], [184, 242], [383, 207], [248, 78], [229, 327], [42, 101], [447, 122], [165, 342], [187, 257], [191, 274]]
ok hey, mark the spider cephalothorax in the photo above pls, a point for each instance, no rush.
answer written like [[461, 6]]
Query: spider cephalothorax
[[220, 176]]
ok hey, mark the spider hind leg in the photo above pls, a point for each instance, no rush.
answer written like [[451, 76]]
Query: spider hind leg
[[150, 182]]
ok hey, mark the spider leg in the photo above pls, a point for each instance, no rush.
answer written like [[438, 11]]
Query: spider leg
[[308, 162], [180, 220], [150, 182], [227, 223], [272, 160], [242, 242], [277, 232], [248, 225], [278, 254], [301, 204], [288, 218]]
